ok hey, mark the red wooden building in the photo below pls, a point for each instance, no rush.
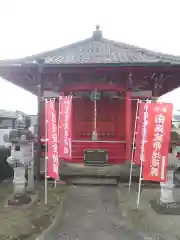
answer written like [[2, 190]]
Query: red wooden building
[[116, 71]]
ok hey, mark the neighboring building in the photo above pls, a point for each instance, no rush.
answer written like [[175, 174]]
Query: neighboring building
[[7, 122]]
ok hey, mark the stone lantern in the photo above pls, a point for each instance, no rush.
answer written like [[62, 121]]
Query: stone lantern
[[21, 140], [167, 204]]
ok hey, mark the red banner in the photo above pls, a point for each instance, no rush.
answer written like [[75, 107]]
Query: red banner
[[140, 131], [65, 131], [158, 138], [53, 162]]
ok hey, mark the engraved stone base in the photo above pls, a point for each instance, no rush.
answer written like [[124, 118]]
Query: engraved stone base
[[165, 208], [19, 200]]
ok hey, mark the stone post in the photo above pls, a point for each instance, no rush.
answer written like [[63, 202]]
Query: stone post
[[19, 180], [31, 170], [167, 204], [167, 188]]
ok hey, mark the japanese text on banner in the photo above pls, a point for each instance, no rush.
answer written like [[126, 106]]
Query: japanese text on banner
[[65, 133], [53, 161], [158, 138], [159, 121], [141, 133]]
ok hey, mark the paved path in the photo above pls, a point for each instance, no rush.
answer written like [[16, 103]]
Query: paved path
[[91, 213]]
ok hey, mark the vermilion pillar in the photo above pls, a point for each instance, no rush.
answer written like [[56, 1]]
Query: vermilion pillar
[[128, 123], [40, 89], [38, 142]]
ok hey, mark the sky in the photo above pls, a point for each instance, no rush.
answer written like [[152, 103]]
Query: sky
[[31, 26]]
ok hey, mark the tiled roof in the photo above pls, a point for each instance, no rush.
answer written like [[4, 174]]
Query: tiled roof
[[10, 114], [100, 50]]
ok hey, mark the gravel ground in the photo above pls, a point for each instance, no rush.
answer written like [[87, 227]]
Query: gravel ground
[[19, 223], [145, 219]]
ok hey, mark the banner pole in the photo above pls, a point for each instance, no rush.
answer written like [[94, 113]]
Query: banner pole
[[133, 145], [46, 149], [54, 100], [140, 181], [59, 121], [59, 115], [142, 151]]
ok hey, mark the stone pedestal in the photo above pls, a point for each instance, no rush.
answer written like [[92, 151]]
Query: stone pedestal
[[30, 176], [19, 197], [167, 188], [19, 180], [31, 169]]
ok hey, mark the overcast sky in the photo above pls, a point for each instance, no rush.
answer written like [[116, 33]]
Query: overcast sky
[[31, 26]]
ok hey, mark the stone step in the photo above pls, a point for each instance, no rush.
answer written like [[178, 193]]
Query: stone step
[[92, 181], [96, 164]]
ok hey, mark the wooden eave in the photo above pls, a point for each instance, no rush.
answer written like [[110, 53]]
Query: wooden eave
[[92, 53]]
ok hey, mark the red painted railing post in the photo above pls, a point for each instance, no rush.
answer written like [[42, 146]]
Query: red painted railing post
[[128, 123]]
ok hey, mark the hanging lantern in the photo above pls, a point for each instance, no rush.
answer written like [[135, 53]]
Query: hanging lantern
[[95, 95]]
